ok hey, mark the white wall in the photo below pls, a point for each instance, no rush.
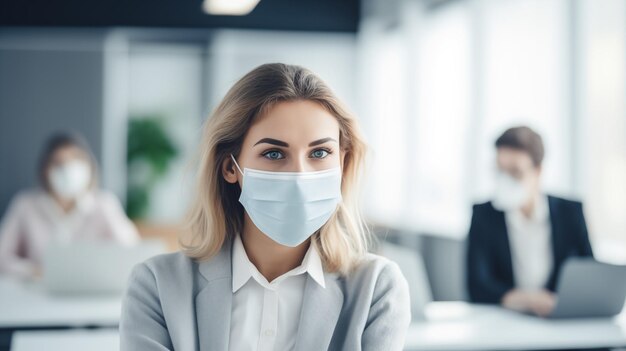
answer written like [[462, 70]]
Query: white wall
[[525, 65], [234, 53], [601, 133], [439, 81]]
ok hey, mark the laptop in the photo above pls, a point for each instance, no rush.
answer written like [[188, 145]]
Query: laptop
[[93, 268], [588, 288]]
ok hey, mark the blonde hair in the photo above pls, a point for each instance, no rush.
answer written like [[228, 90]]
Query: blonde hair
[[216, 214]]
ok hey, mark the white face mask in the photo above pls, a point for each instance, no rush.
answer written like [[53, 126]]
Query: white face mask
[[510, 194], [290, 206], [70, 179]]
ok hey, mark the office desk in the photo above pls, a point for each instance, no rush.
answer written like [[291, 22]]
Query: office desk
[[25, 305], [454, 326], [92, 340]]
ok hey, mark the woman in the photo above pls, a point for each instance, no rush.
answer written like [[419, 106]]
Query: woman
[[519, 242], [277, 253], [67, 208]]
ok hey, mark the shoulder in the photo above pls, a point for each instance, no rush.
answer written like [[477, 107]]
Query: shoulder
[[375, 272], [565, 203], [483, 214], [28, 196], [162, 278], [163, 275], [105, 197], [165, 267], [483, 207], [377, 265], [25, 199], [378, 288]]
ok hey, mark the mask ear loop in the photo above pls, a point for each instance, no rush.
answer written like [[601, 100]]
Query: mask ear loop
[[236, 164]]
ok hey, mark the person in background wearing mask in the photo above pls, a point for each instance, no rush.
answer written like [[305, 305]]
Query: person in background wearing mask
[[68, 207], [519, 241], [276, 254]]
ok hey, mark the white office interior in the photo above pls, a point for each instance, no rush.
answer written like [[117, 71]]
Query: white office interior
[[433, 83]]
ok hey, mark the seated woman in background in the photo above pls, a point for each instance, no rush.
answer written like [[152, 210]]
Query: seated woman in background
[[277, 258], [68, 207], [519, 242]]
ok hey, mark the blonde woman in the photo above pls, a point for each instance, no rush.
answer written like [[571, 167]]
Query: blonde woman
[[277, 253]]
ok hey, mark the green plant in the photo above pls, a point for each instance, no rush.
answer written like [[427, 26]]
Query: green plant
[[149, 154]]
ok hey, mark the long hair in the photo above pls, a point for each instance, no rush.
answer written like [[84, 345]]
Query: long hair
[[216, 214]]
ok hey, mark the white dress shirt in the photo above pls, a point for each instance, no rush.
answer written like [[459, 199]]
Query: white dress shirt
[[531, 245], [265, 315]]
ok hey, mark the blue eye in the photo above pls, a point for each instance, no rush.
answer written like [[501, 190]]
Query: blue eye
[[273, 155], [319, 153]]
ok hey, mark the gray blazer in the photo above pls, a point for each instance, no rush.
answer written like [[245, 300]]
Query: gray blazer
[[176, 303]]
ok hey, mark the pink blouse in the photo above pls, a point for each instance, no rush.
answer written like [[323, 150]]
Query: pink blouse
[[34, 219]]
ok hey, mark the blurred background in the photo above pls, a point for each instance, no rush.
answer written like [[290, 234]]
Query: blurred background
[[433, 83]]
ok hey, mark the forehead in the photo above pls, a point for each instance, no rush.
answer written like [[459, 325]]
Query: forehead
[[67, 152], [510, 157], [295, 122]]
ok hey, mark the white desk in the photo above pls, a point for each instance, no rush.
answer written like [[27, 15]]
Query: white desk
[[24, 305], [92, 340], [454, 326]]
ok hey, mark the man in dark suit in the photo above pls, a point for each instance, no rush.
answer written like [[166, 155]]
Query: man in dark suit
[[519, 241]]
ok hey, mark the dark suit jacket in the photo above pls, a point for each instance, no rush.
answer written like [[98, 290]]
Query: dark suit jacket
[[489, 266]]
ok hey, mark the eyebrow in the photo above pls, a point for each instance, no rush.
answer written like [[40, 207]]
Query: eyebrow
[[321, 141], [272, 141], [284, 144]]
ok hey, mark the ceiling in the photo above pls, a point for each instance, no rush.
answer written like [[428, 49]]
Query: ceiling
[[303, 15]]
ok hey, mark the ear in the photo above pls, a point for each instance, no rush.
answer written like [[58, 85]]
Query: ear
[[229, 171]]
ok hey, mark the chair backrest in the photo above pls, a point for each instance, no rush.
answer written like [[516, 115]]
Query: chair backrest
[[412, 266]]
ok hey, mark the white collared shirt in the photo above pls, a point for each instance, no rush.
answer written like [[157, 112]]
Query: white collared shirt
[[531, 246], [265, 315], [65, 225]]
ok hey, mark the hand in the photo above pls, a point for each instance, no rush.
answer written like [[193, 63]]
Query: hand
[[37, 273], [539, 302]]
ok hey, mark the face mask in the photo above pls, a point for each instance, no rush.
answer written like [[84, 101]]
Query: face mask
[[70, 179], [510, 193], [290, 206]]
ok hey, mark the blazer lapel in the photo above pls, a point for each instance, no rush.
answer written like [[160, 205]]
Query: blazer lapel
[[214, 301], [320, 312]]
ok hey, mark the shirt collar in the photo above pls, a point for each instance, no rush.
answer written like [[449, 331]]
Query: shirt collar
[[243, 269], [541, 212], [84, 203]]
